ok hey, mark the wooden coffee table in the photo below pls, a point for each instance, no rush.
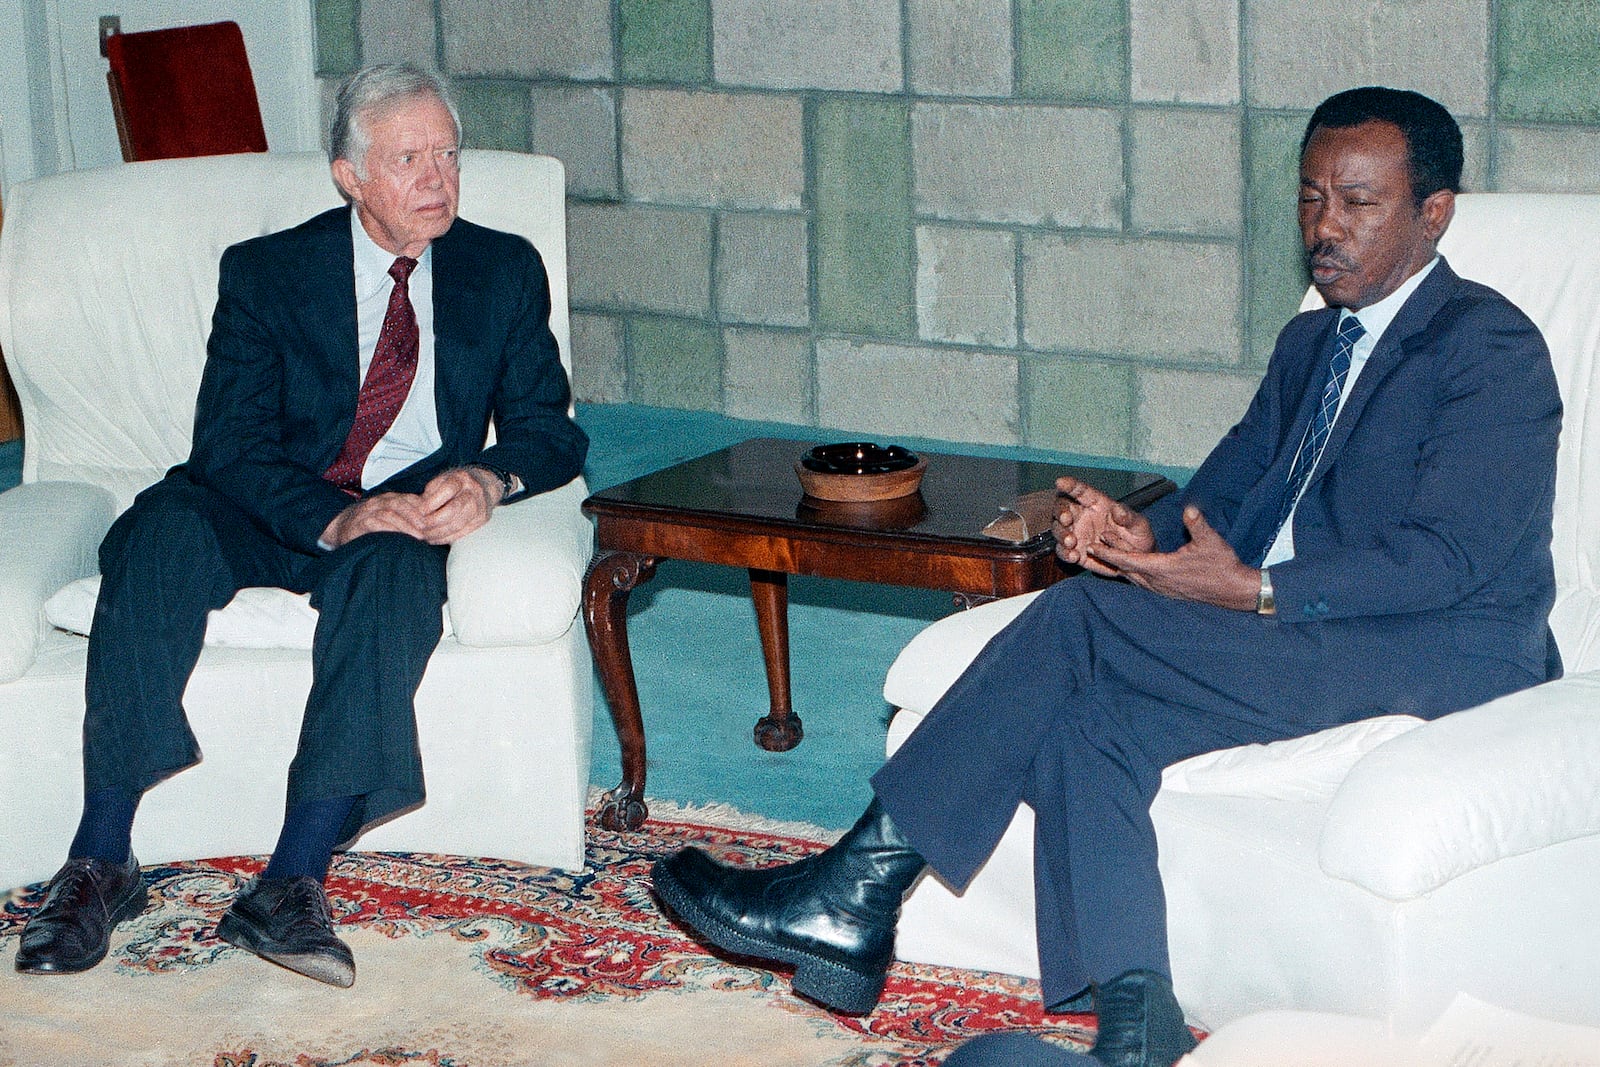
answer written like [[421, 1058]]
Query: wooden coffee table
[[742, 507]]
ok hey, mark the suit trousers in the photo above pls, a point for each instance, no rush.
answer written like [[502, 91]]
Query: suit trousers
[[1077, 706], [183, 550]]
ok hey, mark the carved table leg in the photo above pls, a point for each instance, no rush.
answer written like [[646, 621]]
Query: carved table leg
[[611, 577], [779, 730]]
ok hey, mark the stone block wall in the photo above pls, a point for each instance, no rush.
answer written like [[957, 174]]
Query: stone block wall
[[1067, 224]]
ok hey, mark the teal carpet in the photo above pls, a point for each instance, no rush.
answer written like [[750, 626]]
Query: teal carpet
[[697, 655]]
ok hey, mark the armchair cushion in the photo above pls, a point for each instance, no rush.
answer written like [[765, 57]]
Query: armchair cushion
[[49, 534], [1514, 775], [1297, 768], [514, 582], [257, 617]]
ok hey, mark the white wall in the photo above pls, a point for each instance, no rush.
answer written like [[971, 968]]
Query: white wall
[[18, 18], [62, 121]]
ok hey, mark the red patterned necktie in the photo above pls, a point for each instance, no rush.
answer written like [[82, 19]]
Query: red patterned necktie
[[394, 365]]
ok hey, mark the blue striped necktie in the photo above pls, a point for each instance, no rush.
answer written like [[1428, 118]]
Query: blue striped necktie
[[1311, 445]]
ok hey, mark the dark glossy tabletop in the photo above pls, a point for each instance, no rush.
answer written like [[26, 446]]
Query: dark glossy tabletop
[[756, 480]]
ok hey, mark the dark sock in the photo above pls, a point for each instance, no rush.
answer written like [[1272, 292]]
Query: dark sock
[[305, 847], [105, 831]]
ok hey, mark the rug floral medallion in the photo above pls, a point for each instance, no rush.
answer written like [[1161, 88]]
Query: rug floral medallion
[[483, 963]]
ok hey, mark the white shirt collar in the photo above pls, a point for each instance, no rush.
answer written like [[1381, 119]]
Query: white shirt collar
[[372, 260], [1375, 318]]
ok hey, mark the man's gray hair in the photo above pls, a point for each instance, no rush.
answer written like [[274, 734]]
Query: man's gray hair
[[371, 91]]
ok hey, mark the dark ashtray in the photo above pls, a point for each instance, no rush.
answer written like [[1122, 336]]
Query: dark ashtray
[[858, 457]]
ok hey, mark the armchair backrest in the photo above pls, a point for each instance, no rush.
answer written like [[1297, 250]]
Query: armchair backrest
[[108, 279], [1543, 252]]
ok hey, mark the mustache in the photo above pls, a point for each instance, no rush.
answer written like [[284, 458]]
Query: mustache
[[1324, 254]]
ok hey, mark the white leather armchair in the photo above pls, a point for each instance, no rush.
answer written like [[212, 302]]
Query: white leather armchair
[[107, 283], [1380, 868]]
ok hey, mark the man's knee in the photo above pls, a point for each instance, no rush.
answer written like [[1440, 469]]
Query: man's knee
[[169, 518], [167, 548]]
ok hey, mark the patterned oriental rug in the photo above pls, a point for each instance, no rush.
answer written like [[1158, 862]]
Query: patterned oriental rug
[[483, 963]]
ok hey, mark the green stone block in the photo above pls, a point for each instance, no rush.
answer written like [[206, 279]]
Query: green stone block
[[1078, 406], [495, 114], [1073, 50], [866, 256], [1274, 255], [674, 363], [338, 37], [1547, 53], [666, 40]]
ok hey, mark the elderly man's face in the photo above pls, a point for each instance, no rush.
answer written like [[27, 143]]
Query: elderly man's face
[[412, 188], [1363, 232]]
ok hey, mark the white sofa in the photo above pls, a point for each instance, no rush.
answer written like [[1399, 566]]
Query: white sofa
[[1378, 869], [107, 283]]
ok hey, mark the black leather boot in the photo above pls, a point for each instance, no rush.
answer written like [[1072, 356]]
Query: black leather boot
[[1141, 1024], [831, 915]]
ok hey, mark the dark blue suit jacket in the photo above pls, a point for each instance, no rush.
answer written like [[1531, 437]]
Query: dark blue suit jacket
[[1432, 501], [278, 393]]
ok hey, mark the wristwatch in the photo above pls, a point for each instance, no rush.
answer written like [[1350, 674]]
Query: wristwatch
[[1266, 604], [508, 481]]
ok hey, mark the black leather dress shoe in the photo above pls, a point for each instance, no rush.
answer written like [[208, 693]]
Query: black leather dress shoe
[[85, 900], [831, 915], [1141, 1024], [287, 921]]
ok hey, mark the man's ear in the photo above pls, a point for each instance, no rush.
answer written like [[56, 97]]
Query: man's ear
[[1437, 211], [346, 178]]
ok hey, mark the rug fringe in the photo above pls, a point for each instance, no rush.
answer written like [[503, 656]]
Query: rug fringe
[[727, 817]]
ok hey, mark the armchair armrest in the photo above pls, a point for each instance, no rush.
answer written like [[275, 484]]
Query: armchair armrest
[[935, 658], [50, 534], [519, 579], [1508, 777]]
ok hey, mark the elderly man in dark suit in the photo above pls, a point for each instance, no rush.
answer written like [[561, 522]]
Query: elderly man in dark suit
[[354, 365], [1372, 537]]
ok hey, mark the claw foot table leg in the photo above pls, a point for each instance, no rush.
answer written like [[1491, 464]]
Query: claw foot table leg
[[611, 577], [779, 730]]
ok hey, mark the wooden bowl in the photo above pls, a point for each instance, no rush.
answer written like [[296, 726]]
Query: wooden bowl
[[851, 487]]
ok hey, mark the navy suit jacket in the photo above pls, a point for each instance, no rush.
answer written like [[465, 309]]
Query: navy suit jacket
[[1432, 500], [278, 393]]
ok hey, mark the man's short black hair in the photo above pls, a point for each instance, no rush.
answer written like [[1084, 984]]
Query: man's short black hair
[[1433, 140]]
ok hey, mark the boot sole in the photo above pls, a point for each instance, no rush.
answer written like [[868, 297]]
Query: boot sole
[[319, 966], [830, 983], [131, 908]]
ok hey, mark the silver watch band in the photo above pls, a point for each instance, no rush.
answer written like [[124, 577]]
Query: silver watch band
[[1266, 603]]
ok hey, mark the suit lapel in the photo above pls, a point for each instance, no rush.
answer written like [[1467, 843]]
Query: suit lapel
[[456, 297], [1256, 521], [327, 290], [1389, 353]]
